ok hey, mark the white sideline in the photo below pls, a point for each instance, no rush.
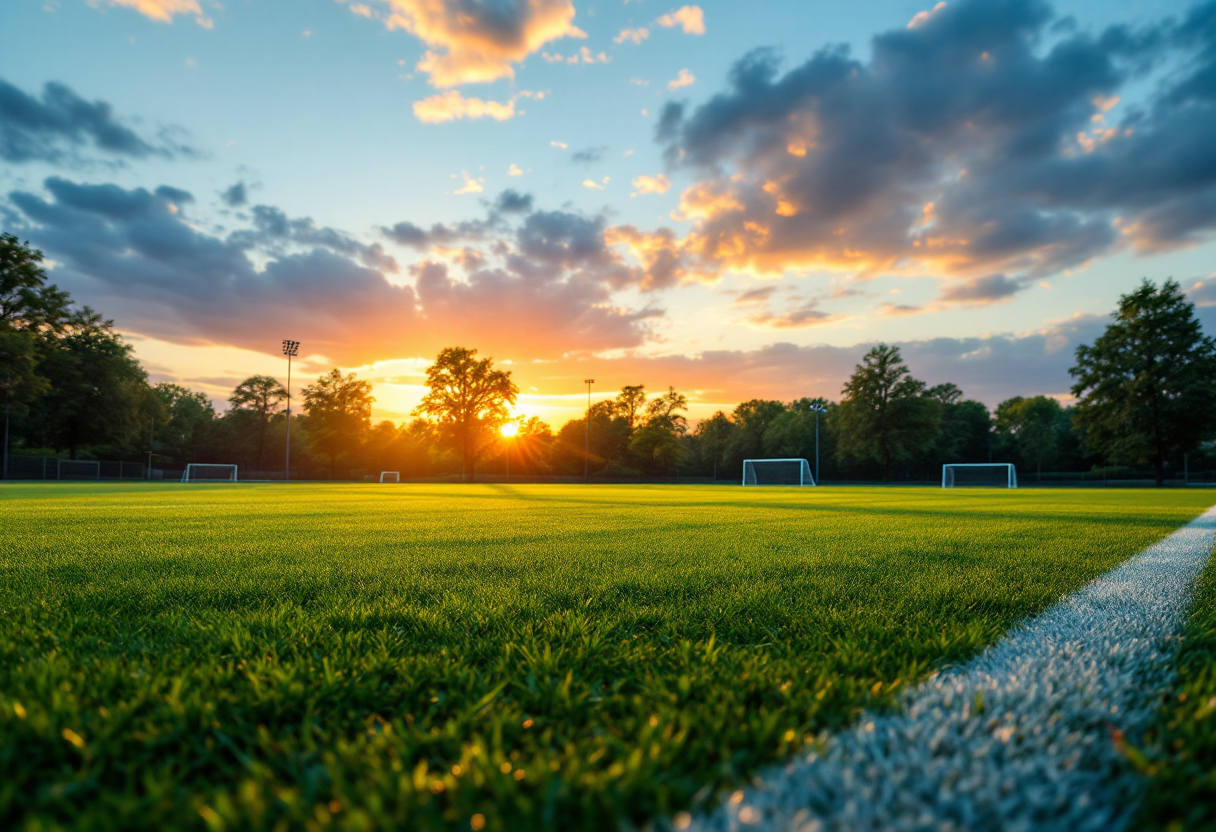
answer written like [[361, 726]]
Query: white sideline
[[1039, 755]]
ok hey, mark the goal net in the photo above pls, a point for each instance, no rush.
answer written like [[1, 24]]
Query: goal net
[[204, 472], [390, 476], [990, 474], [78, 469], [777, 472]]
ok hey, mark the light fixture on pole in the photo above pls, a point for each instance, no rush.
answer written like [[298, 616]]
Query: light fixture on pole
[[290, 349], [587, 434], [817, 409]]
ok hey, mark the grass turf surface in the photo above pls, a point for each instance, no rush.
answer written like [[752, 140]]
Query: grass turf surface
[[1180, 756], [505, 657]]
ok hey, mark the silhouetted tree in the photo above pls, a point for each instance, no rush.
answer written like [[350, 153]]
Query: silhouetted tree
[[260, 397], [468, 399], [629, 403], [885, 414], [339, 415], [1146, 388]]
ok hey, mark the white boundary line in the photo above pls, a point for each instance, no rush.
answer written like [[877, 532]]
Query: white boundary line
[[1039, 753]]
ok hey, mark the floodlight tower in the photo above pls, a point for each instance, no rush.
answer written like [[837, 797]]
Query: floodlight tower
[[817, 409], [587, 434], [290, 349]]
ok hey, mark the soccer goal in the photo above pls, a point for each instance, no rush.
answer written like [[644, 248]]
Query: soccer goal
[[206, 472], [78, 469], [980, 474], [777, 472], [390, 476]]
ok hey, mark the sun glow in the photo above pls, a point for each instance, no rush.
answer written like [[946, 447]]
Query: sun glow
[[510, 429]]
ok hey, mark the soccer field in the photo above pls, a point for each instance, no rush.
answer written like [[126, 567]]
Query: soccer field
[[489, 656]]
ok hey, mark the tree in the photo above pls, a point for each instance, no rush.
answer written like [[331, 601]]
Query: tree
[[629, 403], [97, 389], [751, 419], [468, 399], [1146, 388], [711, 441], [186, 417], [1032, 425], [259, 396], [663, 411], [29, 309], [339, 415], [26, 301], [885, 414]]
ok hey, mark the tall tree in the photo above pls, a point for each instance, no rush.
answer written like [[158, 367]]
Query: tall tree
[[1032, 424], [339, 415], [187, 418], [665, 410], [30, 309], [1146, 388], [885, 414], [98, 390], [468, 399], [259, 396], [629, 403], [711, 441]]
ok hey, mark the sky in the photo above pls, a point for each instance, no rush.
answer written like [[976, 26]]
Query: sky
[[737, 199]]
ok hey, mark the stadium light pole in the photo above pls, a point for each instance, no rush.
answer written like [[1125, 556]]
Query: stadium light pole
[[587, 434], [817, 409], [290, 349]]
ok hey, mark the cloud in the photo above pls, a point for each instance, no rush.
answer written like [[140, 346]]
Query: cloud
[[470, 186], [588, 155], [513, 202], [582, 56], [953, 149], [659, 184], [1203, 293], [473, 41], [163, 11], [451, 106], [692, 18], [235, 196], [138, 255], [980, 291], [987, 368], [683, 79], [634, 36], [514, 170], [59, 124], [559, 145]]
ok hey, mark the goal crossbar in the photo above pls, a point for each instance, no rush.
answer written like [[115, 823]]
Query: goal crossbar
[[991, 474], [786, 471], [209, 472], [390, 476]]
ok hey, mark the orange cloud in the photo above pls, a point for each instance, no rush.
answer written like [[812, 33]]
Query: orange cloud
[[692, 18], [164, 11], [651, 184], [451, 106], [472, 42], [683, 79]]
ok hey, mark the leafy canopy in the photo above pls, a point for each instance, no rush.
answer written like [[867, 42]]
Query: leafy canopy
[[1146, 388]]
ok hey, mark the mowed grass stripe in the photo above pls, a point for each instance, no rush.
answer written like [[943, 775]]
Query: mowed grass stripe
[[543, 656]]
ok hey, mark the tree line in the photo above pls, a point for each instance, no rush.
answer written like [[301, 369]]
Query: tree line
[[1145, 394]]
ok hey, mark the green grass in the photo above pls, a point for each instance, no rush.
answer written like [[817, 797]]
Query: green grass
[[546, 657], [1180, 758]]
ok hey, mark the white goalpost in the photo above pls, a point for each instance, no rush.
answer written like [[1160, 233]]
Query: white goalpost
[[390, 476], [980, 474], [207, 472], [777, 472], [78, 469]]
